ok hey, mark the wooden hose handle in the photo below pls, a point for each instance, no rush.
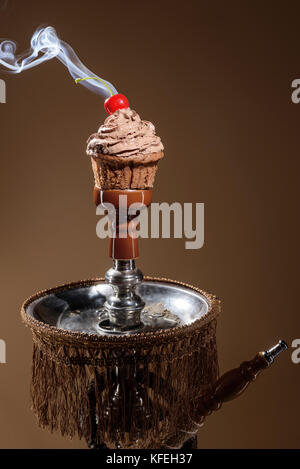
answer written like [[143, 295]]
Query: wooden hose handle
[[233, 383]]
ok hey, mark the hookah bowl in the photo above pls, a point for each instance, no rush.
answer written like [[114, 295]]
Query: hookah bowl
[[127, 362]]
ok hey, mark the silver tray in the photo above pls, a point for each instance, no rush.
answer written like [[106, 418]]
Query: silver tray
[[80, 307]]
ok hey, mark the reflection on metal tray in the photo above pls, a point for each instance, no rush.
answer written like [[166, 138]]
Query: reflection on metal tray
[[81, 308]]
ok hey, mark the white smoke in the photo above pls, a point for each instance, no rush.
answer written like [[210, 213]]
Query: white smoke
[[45, 45]]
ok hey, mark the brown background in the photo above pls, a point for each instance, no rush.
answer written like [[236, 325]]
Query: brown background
[[215, 79]]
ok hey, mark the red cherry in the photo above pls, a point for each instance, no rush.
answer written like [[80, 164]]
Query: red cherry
[[114, 102]]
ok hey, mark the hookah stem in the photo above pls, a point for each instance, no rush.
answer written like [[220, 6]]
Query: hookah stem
[[124, 306], [94, 442], [122, 265], [233, 383]]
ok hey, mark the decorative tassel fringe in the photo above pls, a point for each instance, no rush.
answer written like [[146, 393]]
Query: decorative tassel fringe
[[143, 401]]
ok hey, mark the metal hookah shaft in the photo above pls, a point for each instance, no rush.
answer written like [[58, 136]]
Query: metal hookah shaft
[[124, 306]]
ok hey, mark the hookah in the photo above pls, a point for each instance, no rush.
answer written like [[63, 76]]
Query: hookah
[[124, 361], [148, 379], [96, 338]]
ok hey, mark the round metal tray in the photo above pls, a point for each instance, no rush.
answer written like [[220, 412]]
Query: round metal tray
[[79, 307]]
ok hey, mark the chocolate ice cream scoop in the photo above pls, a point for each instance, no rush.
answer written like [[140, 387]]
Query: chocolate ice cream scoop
[[125, 152]]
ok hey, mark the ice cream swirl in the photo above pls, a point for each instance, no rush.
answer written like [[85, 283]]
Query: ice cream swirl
[[125, 135]]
